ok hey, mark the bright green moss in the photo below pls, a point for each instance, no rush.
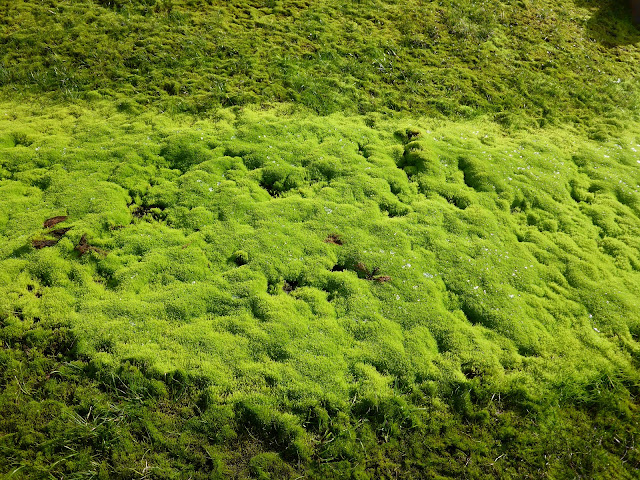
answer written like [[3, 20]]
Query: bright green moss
[[303, 291]]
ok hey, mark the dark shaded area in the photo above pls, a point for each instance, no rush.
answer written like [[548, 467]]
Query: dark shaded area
[[156, 212], [614, 23], [290, 285], [240, 257]]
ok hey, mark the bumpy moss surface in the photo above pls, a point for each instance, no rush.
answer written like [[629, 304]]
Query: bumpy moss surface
[[321, 279], [354, 254]]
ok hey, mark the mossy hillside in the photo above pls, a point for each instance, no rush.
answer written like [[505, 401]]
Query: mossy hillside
[[530, 63], [330, 281]]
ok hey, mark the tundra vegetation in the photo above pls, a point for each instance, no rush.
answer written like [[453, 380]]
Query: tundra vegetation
[[287, 239]]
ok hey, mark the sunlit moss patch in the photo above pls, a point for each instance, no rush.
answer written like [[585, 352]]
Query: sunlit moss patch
[[322, 278]]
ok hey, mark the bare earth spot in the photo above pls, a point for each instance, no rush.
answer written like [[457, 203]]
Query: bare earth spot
[[50, 222], [333, 238], [84, 247], [59, 232], [44, 243]]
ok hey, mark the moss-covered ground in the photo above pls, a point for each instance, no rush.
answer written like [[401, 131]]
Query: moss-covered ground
[[326, 239]]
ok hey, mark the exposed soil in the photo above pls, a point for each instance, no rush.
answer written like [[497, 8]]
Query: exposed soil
[[333, 238], [50, 222], [44, 243], [83, 247]]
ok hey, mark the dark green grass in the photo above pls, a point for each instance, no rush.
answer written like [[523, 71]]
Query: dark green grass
[[523, 63]]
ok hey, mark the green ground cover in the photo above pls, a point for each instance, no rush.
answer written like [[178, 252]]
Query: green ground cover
[[314, 240], [319, 277], [524, 63]]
